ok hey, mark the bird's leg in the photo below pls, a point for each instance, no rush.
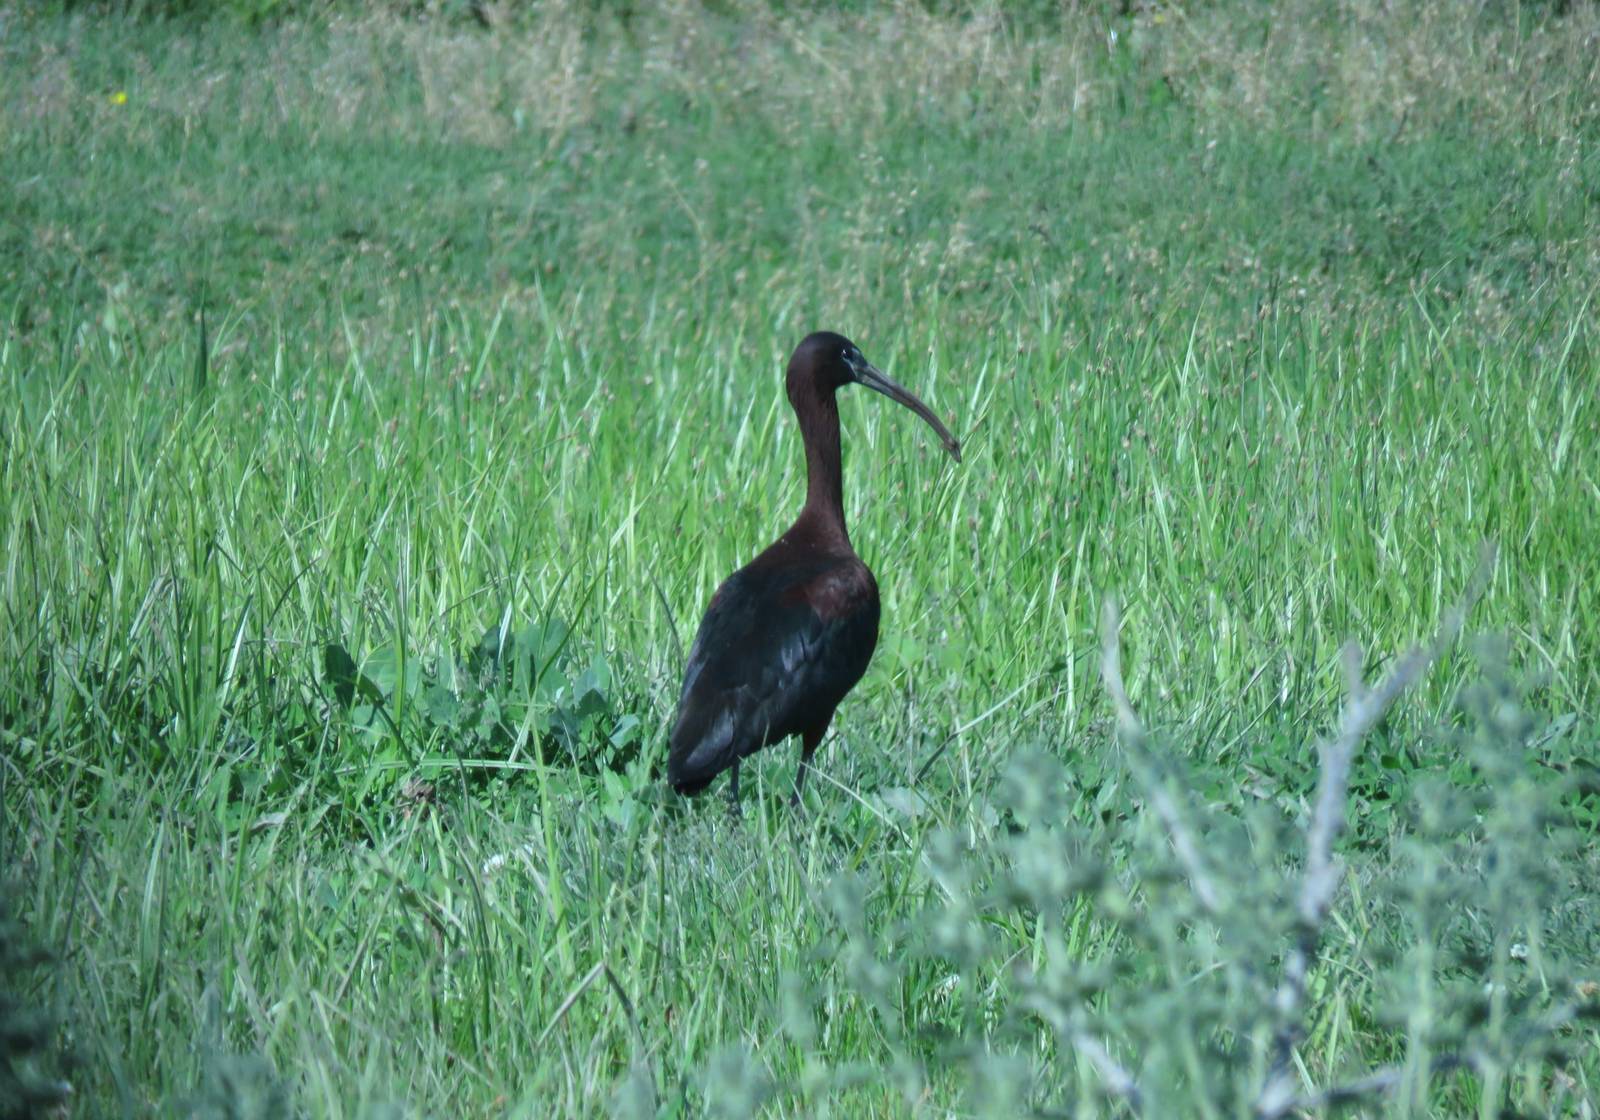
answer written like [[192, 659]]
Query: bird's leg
[[800, 776], [808, 747], [733, 789]]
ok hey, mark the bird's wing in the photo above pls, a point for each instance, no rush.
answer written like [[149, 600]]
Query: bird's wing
[[776, 652]]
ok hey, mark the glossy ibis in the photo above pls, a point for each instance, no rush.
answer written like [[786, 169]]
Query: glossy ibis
[[788, 634]]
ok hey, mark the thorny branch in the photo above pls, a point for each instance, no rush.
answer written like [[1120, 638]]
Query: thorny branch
[[1118, 1082], [1380, 1081], [1115, 1080], [1362, 711], [1133, 736], [1388, 1078]]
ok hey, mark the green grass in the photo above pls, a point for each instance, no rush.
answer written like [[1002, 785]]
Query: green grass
[[1263, 323]]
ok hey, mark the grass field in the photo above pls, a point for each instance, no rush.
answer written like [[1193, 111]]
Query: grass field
[[343, 622]]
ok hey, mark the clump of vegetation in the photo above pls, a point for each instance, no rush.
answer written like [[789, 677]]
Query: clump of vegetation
[[1472, 938], [518, 693]]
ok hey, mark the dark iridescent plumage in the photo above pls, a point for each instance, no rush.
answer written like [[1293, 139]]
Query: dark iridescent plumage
[[789, 634]]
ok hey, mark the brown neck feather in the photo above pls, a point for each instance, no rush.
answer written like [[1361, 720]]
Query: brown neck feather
[[819, 428]]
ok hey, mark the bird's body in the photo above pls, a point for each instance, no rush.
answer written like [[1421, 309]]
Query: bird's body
[[789, 634], [784, 639]]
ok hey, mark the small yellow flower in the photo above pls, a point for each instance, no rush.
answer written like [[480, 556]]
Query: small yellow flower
[[120, 97]]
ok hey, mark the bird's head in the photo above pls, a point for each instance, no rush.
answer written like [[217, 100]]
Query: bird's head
[[824, 362]]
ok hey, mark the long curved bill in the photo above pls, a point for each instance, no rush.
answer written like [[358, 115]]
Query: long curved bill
[[875, 379]]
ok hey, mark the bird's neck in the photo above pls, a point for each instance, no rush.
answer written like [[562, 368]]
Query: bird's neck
[[824, 509]]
